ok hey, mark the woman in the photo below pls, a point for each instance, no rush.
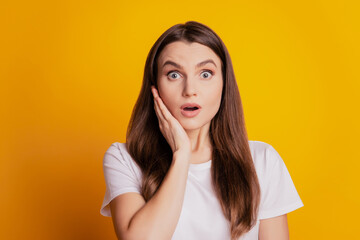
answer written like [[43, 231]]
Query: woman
[[187, 169]]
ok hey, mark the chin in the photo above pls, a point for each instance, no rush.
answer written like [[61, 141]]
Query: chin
[[192, 125]]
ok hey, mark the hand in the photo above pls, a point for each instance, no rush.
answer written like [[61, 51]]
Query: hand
[[169, 126]]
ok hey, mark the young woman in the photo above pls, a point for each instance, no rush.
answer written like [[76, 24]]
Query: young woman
[[187, 169]]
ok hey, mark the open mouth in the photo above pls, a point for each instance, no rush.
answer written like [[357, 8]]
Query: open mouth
[[190, 108]]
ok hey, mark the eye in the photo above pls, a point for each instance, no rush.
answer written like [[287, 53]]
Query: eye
[[207, 74], [173, 75]]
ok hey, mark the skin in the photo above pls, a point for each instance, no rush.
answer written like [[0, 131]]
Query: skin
[[275, 228], [186, 82], [133, 218], [189, 83]]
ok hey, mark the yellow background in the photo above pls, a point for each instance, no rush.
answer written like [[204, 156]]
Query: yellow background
[[71, 72]]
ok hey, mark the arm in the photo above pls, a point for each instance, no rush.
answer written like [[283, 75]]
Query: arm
[[275, 228], [157, 219]]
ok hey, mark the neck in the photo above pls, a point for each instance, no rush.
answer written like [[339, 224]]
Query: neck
[[199, 138]]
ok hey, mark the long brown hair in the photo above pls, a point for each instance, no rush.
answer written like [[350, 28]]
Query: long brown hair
[[233, 173]]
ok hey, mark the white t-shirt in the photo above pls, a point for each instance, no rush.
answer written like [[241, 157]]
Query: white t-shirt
[[201, 215]]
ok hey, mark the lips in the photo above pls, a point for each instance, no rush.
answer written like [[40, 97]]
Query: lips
[[190, 110]]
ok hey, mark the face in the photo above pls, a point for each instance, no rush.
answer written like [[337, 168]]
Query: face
[[190, 73]]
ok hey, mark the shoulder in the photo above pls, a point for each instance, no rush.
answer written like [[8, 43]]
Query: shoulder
[[265, 157], [119, 151], [117, 156], [262, 151], [116, 153], [116, 148], [278, 192]]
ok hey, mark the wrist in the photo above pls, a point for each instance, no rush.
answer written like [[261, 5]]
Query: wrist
[[182, 155]]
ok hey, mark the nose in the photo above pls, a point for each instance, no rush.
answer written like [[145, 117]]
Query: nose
[[189, 88]]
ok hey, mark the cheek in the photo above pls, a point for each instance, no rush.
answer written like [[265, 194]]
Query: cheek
[[214, 95], [168, 99], [214, 100]]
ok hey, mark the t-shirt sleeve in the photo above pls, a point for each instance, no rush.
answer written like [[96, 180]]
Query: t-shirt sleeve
[[121, 175], [279, 195]]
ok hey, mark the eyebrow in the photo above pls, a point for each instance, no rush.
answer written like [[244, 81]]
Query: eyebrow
[[200, 64]]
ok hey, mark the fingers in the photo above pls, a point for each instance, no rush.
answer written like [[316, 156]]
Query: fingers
[[154, 91], [164, 112], [158, 112], [171, 129]]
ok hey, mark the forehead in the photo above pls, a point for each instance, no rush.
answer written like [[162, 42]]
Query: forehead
[[186, 53]]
